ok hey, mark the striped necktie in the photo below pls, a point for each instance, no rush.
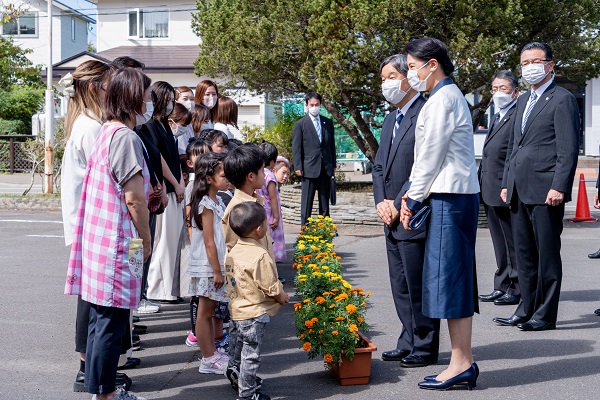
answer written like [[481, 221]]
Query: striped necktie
[[399, 117], [532, 102], [317, 125]]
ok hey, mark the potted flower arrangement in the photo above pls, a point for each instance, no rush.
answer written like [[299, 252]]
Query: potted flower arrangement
[[331, 316]]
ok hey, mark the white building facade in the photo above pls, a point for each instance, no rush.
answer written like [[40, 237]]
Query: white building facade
[[30, 31]]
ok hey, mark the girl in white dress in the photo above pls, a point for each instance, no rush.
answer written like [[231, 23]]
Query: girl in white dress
[[206, 266]]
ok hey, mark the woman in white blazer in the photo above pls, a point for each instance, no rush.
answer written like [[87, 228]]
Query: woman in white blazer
[[444, 176]]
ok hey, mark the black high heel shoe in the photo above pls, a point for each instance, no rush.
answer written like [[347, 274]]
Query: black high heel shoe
[[468, 378], [432, 377]]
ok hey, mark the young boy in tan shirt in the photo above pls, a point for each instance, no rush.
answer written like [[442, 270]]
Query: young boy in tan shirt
[[255, 295]]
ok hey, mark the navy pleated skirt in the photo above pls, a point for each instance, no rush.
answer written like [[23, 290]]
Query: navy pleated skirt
[[448, 272]]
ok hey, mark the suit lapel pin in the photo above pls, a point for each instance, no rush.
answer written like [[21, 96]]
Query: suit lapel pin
[[547, 98]]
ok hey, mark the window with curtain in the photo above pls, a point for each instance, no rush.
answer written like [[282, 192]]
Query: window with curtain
[[149, 23], [24, 25]]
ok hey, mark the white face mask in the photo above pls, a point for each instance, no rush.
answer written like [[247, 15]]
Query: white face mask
[[149, 109], [179, 130], [502, 100], [189, 104], [210, 102], [534, 73], [414, 81], [169, 109], [314, 111], [391, 90]]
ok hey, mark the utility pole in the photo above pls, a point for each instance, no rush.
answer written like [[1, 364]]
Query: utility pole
[[49, 132]]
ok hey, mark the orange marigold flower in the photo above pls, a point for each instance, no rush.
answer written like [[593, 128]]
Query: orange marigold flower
[[309, 324], [302, 336], [297, 306], [331, 306], [320, 331], [306, 300], [320, 300], [334, 333], [310, 331], [351, 308], [306, 346], [360, 319], [314, 319], [328, 358], [339, 318], [353, 328]]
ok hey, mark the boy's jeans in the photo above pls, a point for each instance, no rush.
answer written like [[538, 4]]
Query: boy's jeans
[[245, 340]]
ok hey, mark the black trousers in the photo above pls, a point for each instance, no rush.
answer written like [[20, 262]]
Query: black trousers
[[506, 277], [322, 184], [536, 232], [146, 266], [82, 324], [106, 330], [420, 334]]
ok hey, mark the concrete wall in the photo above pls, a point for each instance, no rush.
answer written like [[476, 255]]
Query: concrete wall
[[113, 29]]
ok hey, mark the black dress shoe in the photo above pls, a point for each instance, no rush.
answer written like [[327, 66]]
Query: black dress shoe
[[534, 325], [394, 355], [135, 338], [132, 362], [512, 321], [137, 330], [597, 311], [594, 255], [121, 380], [492, 296], [136, 318], [413, 361], [468, 378], [507, 300]]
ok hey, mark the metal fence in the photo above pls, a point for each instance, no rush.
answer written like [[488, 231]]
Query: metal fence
[[12, 157]]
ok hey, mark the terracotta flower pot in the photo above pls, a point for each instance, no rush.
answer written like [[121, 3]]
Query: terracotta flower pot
[[357, 371]]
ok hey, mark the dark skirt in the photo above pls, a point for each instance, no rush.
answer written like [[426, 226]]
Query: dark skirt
[[448, 272]]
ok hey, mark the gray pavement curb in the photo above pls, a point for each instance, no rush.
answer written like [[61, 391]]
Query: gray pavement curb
[[30, 203]]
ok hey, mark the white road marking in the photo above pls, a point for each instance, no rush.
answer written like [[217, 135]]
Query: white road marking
[[46, 236], [31, 221]]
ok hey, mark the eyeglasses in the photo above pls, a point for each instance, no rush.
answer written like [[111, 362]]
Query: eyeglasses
[[504, 89], [534, 61]]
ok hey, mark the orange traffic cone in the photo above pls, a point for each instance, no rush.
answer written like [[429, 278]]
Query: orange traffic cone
[[582, 212]]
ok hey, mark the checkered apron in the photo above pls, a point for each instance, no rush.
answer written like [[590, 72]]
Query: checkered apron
[[101, 268]]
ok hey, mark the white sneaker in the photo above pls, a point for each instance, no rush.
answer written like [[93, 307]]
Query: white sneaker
[[122, 394], [217, 364], [146, 307], [152, 303]]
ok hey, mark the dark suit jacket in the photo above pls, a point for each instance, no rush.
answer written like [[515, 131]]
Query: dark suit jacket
[[393, 164], [310, 154], [491, 169], [544, 155]]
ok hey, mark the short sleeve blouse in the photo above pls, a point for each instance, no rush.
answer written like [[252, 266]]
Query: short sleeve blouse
[[199, 265]]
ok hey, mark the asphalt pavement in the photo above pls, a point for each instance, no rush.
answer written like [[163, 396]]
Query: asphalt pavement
[[37, 330]]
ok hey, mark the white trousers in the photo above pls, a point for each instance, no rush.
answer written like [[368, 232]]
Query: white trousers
[[162, 266]]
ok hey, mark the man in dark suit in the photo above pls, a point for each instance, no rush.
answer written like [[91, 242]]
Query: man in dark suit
[[538, 179], [418, 344], [313, 149], [596, 205], [505, 90]]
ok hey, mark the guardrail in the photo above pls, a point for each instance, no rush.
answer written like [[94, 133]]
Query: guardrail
[[15, 160]]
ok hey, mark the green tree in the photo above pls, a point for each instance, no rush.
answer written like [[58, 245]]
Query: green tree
[[21, 88], [335, 47]]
